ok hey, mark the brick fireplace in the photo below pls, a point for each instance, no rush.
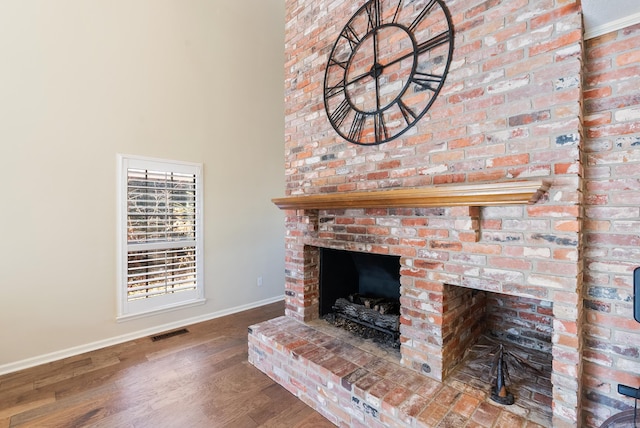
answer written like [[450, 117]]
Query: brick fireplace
[[445, 255], [510, 111]]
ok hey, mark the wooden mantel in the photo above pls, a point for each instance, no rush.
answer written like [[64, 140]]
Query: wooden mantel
[[485, 194]]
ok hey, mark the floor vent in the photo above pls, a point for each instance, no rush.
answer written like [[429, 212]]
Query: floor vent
[[169, 334]]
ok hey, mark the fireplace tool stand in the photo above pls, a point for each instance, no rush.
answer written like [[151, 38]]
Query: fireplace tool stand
[[499, 392], [504, 361]]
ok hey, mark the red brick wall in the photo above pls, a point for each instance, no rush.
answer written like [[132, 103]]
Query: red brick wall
[[524, 321], [463, 322], [612, 220], [510, 109]]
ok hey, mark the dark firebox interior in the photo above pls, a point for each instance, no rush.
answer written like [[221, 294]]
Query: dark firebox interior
[[346, 272]]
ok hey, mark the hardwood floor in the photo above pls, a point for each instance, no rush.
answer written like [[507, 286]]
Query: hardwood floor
[[198, 379]]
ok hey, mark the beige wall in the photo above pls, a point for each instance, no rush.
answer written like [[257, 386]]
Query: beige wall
[[197, 80]]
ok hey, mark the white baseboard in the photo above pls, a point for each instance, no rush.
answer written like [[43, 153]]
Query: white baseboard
[[70, 352]]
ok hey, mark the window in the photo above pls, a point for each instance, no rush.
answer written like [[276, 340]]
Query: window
[[160, 229]]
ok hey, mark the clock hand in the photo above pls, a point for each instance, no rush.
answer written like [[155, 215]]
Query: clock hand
[[422, 47], [359, 78], [376, 70], [397, 60]]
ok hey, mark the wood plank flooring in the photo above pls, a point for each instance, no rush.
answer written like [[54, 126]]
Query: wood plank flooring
[[198, 379]]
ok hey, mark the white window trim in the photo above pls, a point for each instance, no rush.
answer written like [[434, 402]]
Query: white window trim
[[128, 310]]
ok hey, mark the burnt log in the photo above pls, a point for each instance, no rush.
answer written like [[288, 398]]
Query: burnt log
[[388, 307], [371, 302], [355, 298], [371, 316]]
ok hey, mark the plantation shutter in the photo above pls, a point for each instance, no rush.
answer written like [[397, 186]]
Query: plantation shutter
[[161, 233]]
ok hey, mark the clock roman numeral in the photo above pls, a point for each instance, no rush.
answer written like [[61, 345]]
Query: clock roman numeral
[[351, 36], [426, 80], [339, 114], [409, 115], [355, 133], [334, 62], [375, 14], [421, 16], [395, 14], [332, 91], [380, 128]]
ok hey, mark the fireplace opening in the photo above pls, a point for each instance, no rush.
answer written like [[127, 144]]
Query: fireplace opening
[[480, 326], [360, 292]]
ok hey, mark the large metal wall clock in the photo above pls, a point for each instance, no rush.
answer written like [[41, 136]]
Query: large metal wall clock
[[386, 68]]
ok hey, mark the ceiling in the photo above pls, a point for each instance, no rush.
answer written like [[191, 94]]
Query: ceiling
[[603, 16]]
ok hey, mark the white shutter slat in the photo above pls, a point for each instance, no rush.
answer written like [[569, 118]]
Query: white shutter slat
[[146, 247], [161, 231]]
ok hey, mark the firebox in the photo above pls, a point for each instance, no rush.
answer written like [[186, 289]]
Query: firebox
[[345, 273], [360, 292]]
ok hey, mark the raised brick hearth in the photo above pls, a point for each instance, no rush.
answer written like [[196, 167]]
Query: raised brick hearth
[[353, 386], [511, 109]]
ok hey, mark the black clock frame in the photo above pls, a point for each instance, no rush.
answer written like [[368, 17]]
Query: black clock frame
[[372, 9]]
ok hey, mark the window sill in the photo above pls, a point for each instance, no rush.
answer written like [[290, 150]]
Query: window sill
[[160, 310]]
